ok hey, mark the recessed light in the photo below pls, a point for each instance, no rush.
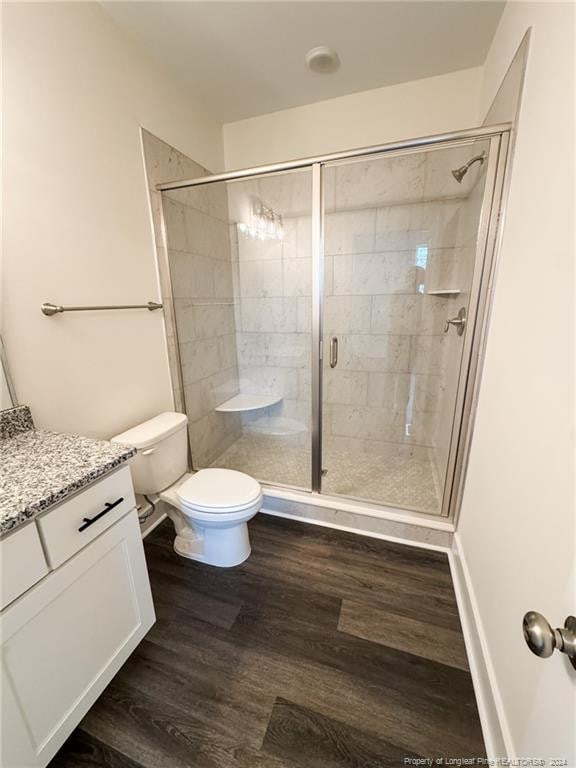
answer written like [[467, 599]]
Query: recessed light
[[323, 60]]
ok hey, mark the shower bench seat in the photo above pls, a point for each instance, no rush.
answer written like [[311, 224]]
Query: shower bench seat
[[245, 402]]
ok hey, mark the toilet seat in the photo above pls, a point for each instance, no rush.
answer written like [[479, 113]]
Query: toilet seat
[[219, 492]]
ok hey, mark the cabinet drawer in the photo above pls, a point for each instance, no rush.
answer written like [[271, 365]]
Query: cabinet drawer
[[23, 563], [76, 522]]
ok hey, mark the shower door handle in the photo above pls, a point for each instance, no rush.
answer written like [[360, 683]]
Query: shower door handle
[[333, 352]]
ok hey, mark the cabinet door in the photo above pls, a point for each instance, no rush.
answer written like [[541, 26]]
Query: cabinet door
[[64, 640]]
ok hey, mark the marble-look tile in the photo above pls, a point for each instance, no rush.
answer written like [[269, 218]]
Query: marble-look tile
[[205, 235], [269, 379], [304, 314], [347, 314], [426, 354], [227, 351], [200, 358], [212, 320], [260, 279], [289, 194], [205, 395], [192, 275], [175, 225], [345, 387], [253, 249], [388, 390], [375, 273], [368, 352], [367, 423], [276, 315], [395, 313], [381, 181], [349, 232], [412, 314], [223, 280], [297, 277], [328, 275], [404, 390], [286, 350], [304, 383]]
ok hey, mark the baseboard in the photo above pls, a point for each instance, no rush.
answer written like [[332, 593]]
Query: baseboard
[[492, 717]]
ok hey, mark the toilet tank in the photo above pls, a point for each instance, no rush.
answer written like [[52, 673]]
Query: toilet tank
[[162, 455]]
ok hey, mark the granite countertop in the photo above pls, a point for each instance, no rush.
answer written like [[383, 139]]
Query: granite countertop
[[40, 468]]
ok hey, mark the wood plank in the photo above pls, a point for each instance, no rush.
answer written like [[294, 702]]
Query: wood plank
[[83, 750], [149, 732], [257, 655], [313, 740], [417, 702], [180, 591], [420, 638], [417, 582]]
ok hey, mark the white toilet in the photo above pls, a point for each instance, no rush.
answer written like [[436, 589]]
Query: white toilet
[[209, 509]]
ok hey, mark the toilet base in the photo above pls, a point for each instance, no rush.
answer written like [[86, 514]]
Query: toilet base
[[219, 539], [223, 548]]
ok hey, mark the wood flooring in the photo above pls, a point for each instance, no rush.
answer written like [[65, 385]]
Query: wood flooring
[[323, 650]]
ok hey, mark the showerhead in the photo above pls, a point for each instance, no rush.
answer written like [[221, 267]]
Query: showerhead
[[459, 173]]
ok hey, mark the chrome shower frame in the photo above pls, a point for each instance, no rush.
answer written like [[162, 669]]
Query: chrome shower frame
[[487, 242]]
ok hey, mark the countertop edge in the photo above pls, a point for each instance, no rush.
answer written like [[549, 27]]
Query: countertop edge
[[39, 506]]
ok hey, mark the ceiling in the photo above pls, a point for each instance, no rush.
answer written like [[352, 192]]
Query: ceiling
[[242, 59]]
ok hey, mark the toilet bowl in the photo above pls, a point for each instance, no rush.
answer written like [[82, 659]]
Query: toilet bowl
[[209, 508]]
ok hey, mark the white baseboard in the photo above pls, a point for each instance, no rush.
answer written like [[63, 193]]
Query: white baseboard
[[492, 717]]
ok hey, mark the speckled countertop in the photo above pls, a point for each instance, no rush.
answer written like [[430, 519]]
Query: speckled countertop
[[40, 468]]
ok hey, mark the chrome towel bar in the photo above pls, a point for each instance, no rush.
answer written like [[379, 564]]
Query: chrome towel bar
[[52, 309]]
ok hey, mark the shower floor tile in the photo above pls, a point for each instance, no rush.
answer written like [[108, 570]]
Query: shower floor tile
[[398, 481]]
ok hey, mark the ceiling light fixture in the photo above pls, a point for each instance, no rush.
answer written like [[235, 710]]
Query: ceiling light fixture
[[323, 60]]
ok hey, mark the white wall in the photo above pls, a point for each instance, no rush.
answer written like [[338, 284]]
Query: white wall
[[418, 108], [77, 228], [517, 524]]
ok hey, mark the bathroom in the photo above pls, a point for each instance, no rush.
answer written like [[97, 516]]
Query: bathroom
[[287, 407]]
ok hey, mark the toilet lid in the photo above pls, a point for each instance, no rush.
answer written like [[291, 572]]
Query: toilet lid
[[219, 490]]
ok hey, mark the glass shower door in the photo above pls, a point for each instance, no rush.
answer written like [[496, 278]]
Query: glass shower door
[[240, 265], [400, 289]]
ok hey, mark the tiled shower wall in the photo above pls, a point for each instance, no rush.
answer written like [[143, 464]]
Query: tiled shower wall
[[273, 289], [385, 394], [393, 392], [199, 264], [201, 270]]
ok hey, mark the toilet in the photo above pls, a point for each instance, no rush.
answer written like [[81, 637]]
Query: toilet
[[210, 508]]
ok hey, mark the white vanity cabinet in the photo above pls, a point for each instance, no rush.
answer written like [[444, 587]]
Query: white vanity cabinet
[[65, 638]]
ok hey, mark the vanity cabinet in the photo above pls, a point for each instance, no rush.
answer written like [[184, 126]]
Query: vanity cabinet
[[66, 637]]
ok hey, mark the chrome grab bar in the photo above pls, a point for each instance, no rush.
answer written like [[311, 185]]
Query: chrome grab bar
[[333, 352], [53, 309]]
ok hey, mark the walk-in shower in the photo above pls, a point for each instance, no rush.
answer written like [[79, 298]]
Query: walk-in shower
[[329, 315]]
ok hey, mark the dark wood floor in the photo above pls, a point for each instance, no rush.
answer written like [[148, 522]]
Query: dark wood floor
[[324, 649]]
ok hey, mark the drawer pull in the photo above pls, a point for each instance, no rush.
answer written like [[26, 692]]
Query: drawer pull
[[89, 520]]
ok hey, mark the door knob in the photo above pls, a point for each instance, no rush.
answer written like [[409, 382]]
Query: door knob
[[543, 640], [459, 322]]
